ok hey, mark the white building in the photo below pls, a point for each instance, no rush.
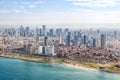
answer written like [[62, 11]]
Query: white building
[[46, 50], [40, 50]]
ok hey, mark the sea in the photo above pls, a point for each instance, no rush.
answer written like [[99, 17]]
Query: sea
[[15, 69]]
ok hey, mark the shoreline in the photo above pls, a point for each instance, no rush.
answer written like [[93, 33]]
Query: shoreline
[[91, 66]]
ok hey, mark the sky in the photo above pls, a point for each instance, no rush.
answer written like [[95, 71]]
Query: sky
[[59, 11]]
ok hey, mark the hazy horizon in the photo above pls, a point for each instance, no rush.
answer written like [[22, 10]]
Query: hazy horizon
[[71, 26]]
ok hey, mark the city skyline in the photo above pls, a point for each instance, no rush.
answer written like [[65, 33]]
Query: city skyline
[[92, 48], [59, 12], [59, 39]]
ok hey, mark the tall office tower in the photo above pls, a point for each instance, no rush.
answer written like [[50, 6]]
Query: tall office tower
[[44, 50], [98, 31], [51, 32], [75, 33], [115, 34], [75, 39], [68, 39], [59, 31], [5, 31], [84, 39], [66, 31], [103, 41], [79, 35], [37, 32], [21, 31], [37, 40], [40, 32], [45, 41], [48, 34], [27, 31], [94, 44], [12, 31], [69, 34], [9, 32], [60, 39], [43, 30]]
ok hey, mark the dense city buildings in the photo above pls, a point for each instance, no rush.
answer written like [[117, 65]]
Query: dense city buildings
[[84, 45]]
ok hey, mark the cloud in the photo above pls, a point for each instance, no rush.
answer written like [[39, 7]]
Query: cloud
[[10, 11], [5, 11], [95, 3], [34, 4], [81, 10], [14, 11]]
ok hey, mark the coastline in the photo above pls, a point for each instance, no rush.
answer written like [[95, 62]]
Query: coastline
[[91, 66]]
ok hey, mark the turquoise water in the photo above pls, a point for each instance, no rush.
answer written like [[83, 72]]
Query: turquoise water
[[14, 69]]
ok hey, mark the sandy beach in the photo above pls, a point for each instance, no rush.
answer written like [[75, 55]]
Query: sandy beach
[[70, 63]]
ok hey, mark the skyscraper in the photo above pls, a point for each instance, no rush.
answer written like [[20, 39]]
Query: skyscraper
[[68, 39], [43, 30], [94, 44], [75, 39], [51, 32], [38, 31], [79, 35], [60, 39], [45, 41], [21, 31], [37, 41], [103, 41], [59, 31], [84, 39], [44, 50], [115, 34], [27, 31], [66, 31], [98, 31]]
